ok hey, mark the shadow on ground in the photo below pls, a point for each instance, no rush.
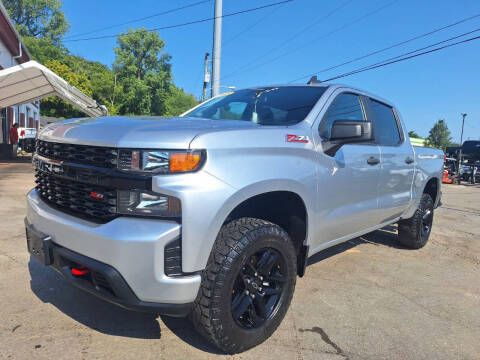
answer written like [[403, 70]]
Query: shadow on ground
[[386, 236], [99, 315], [110, 319], [20, 159], [85, 308], [184, 329]]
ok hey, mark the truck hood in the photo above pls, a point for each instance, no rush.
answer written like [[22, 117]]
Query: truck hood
[[136, 132]]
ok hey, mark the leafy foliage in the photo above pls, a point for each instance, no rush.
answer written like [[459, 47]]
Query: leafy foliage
[[413, 134], [104, 84], [178, 102], [139, 82], [132, 87], [439, 135], [44, 49], [38, 18], [144, 71], [54, 106], [138, 54]]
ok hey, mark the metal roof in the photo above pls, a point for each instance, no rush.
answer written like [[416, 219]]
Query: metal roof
[[32, 81]]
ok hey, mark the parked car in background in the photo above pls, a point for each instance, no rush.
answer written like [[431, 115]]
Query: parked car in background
[[471, 151], [26, 139], [216, 212], [464, 161]]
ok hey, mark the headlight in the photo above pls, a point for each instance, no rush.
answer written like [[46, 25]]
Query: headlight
[[131, 202], [160, 161]]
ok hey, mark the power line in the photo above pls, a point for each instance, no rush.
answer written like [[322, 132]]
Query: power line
[[139, 19], [316, 39], [389, 47], [248, 65], [248, 28], [378, 65], [469, 124], [412, 52], [190, 22]]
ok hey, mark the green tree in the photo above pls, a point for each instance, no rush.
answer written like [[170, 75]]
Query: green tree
[[44, 49], [413, 134], [143, 71], [178, 102], [140, 81], [439, 135], [104, 85], [38, 18], [54, 106]]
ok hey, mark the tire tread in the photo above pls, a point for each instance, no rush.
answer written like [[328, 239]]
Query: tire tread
[[232, 239], [409, 229]]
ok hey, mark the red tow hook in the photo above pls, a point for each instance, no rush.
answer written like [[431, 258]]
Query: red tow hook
[[80, 270]]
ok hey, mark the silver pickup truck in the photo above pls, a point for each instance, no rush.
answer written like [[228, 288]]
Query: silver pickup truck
[[215, 213]]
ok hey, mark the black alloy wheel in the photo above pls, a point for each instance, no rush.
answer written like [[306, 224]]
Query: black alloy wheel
[[258, 290], [427, 220], [415, 231], [247, 285]]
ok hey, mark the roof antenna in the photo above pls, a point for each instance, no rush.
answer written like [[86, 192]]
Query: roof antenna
[[313, 80]]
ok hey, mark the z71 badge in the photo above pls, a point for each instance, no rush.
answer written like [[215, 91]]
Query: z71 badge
[[297, 138]]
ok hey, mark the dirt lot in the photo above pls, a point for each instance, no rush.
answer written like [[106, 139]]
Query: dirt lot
[[366, 299]]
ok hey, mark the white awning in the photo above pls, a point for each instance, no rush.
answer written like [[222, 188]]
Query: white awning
[[32, 81]]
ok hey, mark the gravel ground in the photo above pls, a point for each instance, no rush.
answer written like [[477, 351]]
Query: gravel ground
[[366, 299]]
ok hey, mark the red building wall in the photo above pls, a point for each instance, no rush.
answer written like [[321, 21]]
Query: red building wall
[[10, 113], [9, 122]]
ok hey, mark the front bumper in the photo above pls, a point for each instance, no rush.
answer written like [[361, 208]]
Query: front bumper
[[126, 248]]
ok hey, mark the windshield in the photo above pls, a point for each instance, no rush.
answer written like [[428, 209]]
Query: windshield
[[266, 106]]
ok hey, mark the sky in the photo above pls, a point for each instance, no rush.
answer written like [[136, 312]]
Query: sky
[[282, 43]]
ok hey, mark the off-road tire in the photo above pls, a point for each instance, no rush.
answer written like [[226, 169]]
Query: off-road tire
[[212, 311], [410, 230]]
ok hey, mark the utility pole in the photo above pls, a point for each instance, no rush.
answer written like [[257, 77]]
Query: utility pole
[[206, 78], [463, 123], [217, 48], [459, 151]]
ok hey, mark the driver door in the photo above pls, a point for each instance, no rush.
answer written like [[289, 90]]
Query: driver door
[[348, 181]]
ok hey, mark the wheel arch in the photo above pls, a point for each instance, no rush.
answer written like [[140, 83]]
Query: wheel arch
[[285, 208], [432, 188]]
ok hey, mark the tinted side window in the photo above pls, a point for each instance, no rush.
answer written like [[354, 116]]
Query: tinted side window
[[344, 107], [386, 131]]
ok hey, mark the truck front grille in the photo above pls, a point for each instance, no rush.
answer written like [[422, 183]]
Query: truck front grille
[[99, 156], [92, 201]]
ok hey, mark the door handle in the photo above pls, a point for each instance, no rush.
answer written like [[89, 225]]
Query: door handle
[[372, 160], [409, 160]]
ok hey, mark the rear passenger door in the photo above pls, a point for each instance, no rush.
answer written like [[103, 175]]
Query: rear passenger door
[[397, 160]]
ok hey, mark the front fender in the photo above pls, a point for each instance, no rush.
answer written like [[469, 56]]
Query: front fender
[[207, 233]]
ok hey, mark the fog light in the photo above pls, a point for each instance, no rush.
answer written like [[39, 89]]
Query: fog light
[[131, 202]]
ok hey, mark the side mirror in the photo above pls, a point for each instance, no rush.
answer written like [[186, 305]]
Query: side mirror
[[347, 132]]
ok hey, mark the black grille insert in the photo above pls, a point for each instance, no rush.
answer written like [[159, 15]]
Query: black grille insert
[[172, 262], [99, 280], [104, 157], [91, 201]]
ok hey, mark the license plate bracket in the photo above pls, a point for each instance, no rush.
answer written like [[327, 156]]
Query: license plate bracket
[[39, 245]]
